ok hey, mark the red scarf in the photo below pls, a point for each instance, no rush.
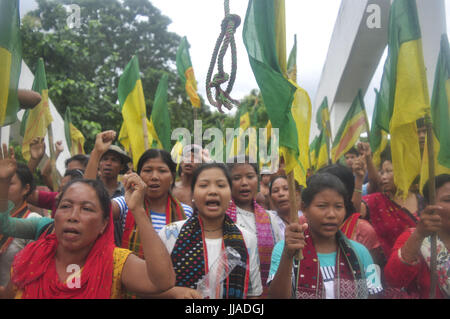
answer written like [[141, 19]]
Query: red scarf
[[388, 219], [131, 239], [266, 242], [348, 227], [34, 270], [21, 212], [349, 272]]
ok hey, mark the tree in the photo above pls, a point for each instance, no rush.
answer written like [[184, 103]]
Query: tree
[[84, 64]]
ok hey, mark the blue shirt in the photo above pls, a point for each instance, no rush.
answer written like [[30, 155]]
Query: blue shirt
[[327, 264]]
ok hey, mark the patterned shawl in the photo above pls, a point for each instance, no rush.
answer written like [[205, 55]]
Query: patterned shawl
[[21, 212], [350, 280], [388, 219], [348, 227], [265, 237], [190, 257], [131, 239]]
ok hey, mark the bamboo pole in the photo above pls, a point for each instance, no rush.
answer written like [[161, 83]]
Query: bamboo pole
[[432, 201], [144, 128], [293, 213], [52, 158]]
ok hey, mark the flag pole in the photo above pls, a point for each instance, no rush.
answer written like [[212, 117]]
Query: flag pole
[[144, 128], [432, 201], [293, 212], [52, 157], [195, 113]]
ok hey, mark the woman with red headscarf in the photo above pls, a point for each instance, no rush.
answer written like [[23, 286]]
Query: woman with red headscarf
[[79, 259]]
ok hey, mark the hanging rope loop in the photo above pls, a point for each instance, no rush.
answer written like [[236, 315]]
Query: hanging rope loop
[[226, 39]]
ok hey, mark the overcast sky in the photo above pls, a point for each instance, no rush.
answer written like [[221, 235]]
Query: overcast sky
[[312, 20]]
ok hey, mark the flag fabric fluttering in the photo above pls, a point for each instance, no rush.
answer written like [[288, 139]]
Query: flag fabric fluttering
[[10, 60], [440, 116], [323, 118], [301, 112], [378, 138], [35, 122], [74, 138], [160, 129], [354, 123], [132, 104], [322, 153], [264, 36], [186, 72], [408, 92]]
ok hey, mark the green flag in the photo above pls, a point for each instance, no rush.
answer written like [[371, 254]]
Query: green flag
[[10, 60], [160, 120], [264, 39]]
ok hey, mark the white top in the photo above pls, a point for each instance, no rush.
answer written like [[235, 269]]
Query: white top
[[246, 220], [281, 225], [169, 235]]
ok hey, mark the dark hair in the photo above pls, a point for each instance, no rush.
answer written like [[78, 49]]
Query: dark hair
[[346, 176], [239, 160], [420, 122], [319, 182], [439, 181], [100, 190], [74, 173], [157, 153], [206, 166], [26, 177], [273, 179], [83, 159], [353, 150]]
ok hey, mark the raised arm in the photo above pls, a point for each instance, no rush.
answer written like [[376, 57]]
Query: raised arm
[[28, 99], [47, 170], [154, 274], [281, 285], [102, 142], [37, 150], [359, 172], [372, 171]]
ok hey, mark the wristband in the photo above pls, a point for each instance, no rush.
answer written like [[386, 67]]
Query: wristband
[[358, 190]]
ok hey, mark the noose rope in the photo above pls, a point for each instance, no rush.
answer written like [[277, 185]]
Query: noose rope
[[226, 38]]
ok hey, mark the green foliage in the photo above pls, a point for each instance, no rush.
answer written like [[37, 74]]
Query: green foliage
[[83, 65]]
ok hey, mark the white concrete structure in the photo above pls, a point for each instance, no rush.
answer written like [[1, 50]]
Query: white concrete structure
[[357, 45], [12, 132]]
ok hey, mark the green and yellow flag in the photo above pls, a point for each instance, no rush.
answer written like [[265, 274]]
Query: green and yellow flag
[[440, 116], [264, 37], [323, 118], [354, 123], [36, 121], [301, 112], [292, 62], [408, 93], [322, 153], [186, 72], [132, 104], [10, 60], [160, 129], [378, 137], [74, 138]]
